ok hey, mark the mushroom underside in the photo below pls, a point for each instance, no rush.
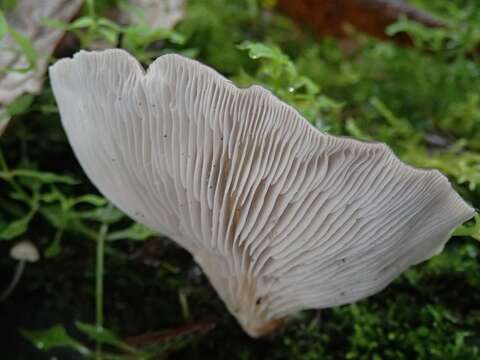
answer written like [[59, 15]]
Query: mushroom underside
[[280, 216]]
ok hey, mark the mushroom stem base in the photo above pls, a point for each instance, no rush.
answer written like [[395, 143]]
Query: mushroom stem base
[[266, 328]]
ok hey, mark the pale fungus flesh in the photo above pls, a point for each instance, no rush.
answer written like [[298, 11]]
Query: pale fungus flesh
[[25, 251], [28, 19], [280, 216]]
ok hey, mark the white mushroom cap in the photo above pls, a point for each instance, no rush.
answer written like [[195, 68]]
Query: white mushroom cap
[[27, 17], [25, 251], [156, 13], [280, 216]]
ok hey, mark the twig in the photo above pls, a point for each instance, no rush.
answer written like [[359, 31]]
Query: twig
[[154, 338]]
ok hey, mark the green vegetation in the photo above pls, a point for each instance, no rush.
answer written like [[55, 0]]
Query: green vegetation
[[95, 285]]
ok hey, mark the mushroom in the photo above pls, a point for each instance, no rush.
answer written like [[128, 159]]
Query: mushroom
[[23, 251], [27, 17], [280, 216], [145, 15], [155, 13]]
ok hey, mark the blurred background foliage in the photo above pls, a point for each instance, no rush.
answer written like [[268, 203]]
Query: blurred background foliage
[[423, 101]]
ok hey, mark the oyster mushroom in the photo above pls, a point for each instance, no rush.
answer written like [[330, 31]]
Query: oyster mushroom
[[280, 216]]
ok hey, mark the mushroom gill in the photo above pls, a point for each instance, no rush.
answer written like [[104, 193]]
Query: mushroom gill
[[280, 216]]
